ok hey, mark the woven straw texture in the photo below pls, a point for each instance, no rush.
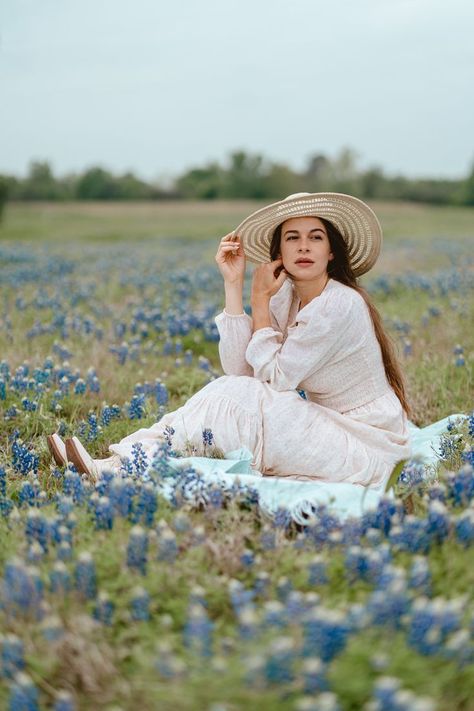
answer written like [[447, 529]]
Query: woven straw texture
[[355, 220]]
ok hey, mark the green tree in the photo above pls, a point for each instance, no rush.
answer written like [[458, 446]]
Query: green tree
[[97, 184], [4, 186], [201, 183], [244, 177], [467, 190], [40, 183]]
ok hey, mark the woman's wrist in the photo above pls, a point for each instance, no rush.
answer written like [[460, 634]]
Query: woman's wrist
[[260, 313], [233, 297]]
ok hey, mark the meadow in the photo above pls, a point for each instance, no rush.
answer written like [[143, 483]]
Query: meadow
[[112, 597]]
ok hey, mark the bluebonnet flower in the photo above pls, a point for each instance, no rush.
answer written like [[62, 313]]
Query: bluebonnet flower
[[121, 352], [93, 430], [80, 387], [188, 356], [136, 408], [262, 583], [73, 486], [30, 493], [181, 522], [64, 551], [52, 628], [22, 588], [197, 633], [85, 576], [420, 575], [313, 672], [104, 609], [204, 363], [64, 702], [3, 389], [247, 558], [109, 413], [11, 413], [274, 614], [461, 485], [23, 694], [137, 549], [248, 622], [240, 596], [459, 646], [413, 474], [438, 521], [325, 633], [267, 538], [29, 405], [412, 535], [207, 437], [104, 513], [161, 393], [280, 661], [389, 604], [470, 424], [464, 527], [24, 460], [284, 587], [121, 494], [139, 458], [468, 455], [59, 578], [12, 655], [36, 528], [93, 381], [282, 518], [140, 605], [167, 546], [3, 482]]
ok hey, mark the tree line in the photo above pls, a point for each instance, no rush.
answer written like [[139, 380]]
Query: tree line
[[242, 175]]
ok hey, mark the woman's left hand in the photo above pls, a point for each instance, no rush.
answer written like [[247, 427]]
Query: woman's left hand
[[264, 282]]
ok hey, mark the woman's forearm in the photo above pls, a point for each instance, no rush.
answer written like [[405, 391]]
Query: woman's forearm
[[233, 297], [261, 313]]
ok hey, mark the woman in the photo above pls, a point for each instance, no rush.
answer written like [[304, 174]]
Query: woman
[[313, 328]]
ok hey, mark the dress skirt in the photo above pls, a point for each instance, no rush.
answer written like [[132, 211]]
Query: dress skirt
[[288, 435]]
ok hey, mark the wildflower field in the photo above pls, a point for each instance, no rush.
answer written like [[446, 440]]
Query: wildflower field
[[113, 597]]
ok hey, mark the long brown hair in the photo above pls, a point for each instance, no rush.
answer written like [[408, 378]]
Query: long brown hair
[[339, 268]]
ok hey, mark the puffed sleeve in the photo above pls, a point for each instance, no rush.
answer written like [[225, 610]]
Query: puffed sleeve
[[235, 331], [320, 335]]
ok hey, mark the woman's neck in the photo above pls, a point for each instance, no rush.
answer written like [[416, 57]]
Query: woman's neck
[[307, 291]]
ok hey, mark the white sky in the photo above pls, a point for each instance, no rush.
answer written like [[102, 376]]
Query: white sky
[[157, 87]]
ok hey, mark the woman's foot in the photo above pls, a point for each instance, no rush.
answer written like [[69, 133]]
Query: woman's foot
[[58, 449], [80, 457]]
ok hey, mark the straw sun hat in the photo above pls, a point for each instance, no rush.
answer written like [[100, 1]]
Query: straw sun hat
[[355, 220]]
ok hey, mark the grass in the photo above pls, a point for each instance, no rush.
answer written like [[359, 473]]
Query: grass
[[80, 278]]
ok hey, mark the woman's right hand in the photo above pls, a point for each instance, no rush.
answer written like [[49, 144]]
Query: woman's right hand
[[230, 258]]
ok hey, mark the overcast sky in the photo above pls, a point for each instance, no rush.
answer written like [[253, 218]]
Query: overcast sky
[[157, 87]]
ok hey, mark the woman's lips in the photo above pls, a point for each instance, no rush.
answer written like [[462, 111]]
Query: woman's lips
[[304, 264]]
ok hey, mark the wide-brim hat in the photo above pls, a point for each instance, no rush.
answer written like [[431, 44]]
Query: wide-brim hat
[[355, 220]]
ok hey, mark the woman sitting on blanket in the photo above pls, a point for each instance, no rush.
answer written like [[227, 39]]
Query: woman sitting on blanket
[[312, 329]]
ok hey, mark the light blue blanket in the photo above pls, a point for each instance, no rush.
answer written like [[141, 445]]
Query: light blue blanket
[[298, 497]]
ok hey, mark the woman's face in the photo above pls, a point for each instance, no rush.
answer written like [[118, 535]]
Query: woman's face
[[305, 238]]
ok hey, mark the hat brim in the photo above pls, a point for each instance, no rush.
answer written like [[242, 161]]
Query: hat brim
[[355, 220]]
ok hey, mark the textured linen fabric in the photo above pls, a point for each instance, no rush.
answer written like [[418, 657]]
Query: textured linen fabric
[[351, 428]]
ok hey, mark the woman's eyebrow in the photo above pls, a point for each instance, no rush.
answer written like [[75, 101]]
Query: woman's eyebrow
[[315, 229]]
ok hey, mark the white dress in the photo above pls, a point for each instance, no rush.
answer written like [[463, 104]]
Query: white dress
[[351, 428]]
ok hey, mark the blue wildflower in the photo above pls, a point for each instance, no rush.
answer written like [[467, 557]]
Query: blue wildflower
[[137, 549], [85, 576]]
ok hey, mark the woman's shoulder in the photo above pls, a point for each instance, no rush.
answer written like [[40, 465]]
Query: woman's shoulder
[[340, 296]]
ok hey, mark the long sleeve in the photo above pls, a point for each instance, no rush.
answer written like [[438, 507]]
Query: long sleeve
[[235, 332], [328, 327]]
